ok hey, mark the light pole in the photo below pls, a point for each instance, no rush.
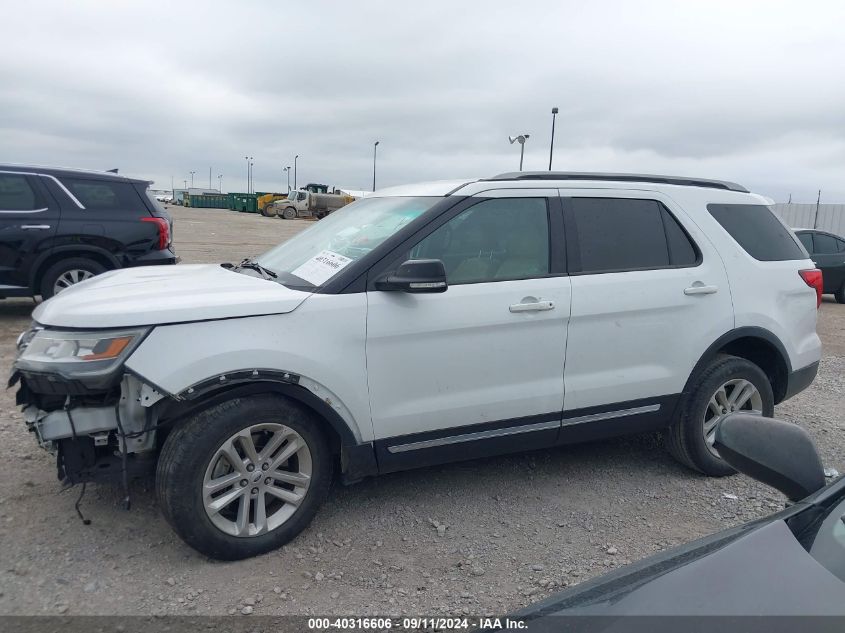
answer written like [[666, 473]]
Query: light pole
[[294, 170], [252, 174], [248, 173], [521, 138], [220, 183], [375, 150], [192, 179], [287, 169], [552, 145]]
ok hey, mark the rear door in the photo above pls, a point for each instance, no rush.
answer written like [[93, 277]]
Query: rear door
[[28, 220], [477, 369], [829, 255], [110, 220], [649, 294]]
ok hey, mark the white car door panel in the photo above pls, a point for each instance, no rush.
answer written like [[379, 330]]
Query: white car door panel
[[466, 357]]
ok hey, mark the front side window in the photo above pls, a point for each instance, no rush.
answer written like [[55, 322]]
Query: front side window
[[621, 234], [756, 229], [311, 258], [827, 244], [494, 240], [105, 195], [16, 194]]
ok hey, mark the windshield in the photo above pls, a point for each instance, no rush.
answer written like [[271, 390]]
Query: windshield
[[317, 254]]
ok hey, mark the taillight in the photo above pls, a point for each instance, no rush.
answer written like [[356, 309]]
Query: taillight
[[813, 278], [163, 231]]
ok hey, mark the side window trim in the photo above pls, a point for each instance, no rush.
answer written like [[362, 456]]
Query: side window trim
[[64, 189], [39, 200], [556, 241], [573, 247]]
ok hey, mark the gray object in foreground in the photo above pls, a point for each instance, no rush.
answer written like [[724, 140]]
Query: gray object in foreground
[[791, 563]]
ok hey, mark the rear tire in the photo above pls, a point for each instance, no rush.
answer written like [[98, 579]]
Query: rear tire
[[727, 380], [839, 295], [268, 211], [262, 508], [68, 272]]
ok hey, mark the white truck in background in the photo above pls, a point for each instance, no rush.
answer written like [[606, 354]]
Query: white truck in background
[[312, 201]]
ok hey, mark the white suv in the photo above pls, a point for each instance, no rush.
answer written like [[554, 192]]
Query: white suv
[[419, 325]]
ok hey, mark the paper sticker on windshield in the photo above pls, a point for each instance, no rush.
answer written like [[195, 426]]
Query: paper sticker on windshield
[[322, 267]]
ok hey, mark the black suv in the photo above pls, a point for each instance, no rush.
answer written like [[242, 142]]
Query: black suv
[[828, 252], [62, 226]]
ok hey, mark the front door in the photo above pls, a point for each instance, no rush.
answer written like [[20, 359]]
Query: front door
[[477, 369], [28, 221]]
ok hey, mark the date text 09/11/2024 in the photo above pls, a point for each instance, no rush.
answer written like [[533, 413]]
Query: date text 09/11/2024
[[415, 623]]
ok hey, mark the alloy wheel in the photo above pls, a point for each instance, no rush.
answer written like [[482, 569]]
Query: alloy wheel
[[70, 278], [734, 395], [257, 479]]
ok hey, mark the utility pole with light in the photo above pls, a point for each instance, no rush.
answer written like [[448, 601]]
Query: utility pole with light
[[294, 170], [220, 183], [248, 172], [287, 169], [192, 179], [552, 145], [375, 149], [252, 174], [521, 138]]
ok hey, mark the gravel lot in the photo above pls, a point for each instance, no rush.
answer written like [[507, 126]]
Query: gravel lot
[[516, 528]]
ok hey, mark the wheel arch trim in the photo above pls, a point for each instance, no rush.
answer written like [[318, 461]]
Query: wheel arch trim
[[67, 251], [305, 390], [745, 332]]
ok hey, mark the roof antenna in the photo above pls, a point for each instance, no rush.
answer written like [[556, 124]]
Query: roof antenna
[[111, 171]]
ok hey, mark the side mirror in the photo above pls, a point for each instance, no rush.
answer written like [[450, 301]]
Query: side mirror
[[776, 453], [416, 275]]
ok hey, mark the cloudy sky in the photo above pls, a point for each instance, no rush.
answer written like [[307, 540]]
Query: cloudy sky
[[744, 90]]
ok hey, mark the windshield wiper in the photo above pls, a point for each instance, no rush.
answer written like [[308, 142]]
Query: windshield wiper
[[250, 263]]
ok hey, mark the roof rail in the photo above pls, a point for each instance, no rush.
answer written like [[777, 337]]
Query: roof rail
[[586, 175]]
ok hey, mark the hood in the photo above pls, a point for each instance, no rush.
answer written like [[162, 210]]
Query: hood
[[154, 295], [757, 569]]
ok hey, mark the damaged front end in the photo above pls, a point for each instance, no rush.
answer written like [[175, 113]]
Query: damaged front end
[[80, 404]]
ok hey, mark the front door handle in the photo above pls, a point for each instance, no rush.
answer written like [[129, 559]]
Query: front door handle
[[699, 288], [535, 306], [35, 227]]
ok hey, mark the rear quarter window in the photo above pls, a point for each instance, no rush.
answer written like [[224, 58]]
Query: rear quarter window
[[756, 229], [105, 195]]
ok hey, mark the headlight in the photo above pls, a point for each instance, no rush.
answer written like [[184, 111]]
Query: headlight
[[78, 353]]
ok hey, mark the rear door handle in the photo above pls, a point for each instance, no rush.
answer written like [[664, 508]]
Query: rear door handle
[[701, 289], [537, 306], [35, 227]]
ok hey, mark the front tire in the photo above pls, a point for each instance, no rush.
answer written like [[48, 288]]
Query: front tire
[[727, 384], [244, 477], [66, 273], [289, 213]]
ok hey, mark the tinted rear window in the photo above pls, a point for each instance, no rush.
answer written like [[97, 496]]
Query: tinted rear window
[[758, 231], [16, 194], [617, 234], [105, 195]]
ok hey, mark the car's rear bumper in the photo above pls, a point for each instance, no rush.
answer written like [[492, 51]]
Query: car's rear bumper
[[166, 256], [800, 379]]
